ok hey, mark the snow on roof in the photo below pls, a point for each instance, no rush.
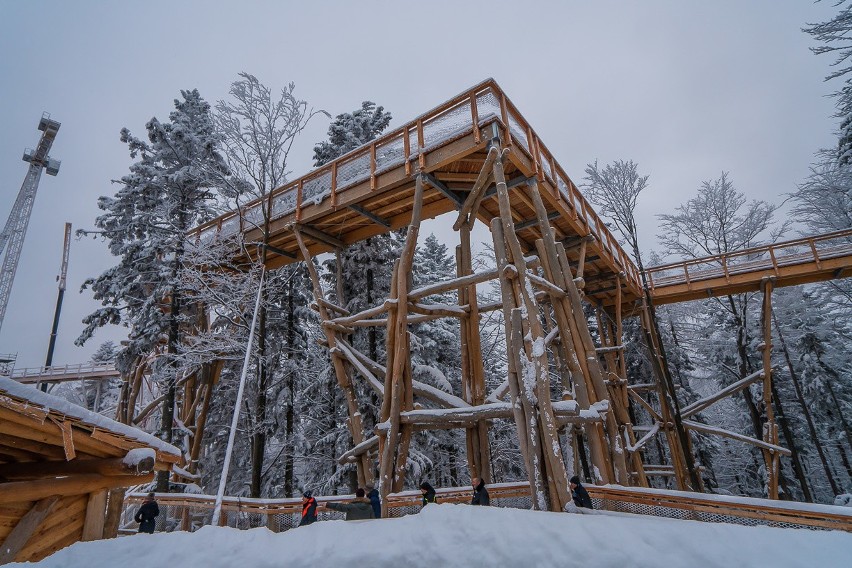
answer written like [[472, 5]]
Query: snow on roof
[[34, 397], [465, 536]]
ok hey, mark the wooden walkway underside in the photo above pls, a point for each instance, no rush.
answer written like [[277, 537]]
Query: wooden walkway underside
[[371, 191], [789, 263]]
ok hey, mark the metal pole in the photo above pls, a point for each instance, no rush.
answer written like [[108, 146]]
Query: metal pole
[[63, 273], [217, 510]]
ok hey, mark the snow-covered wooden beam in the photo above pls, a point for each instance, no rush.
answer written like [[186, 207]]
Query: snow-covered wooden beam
[[318, 235], [360, 449], [734, 388], [706, 429]]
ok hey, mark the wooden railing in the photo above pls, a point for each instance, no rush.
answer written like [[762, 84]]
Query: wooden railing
[[189, 512], [736, 267], [407, 144]]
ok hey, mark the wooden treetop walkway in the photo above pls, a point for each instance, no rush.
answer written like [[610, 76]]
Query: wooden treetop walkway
[[799, 261], [370, 191]]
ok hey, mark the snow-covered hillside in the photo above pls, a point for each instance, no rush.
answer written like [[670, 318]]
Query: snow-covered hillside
[[459, 535]]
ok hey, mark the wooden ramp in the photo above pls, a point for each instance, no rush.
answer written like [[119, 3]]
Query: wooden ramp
[[370, 191], [789, 263]]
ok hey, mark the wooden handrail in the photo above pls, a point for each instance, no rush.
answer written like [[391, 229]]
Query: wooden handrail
[[724, 257]]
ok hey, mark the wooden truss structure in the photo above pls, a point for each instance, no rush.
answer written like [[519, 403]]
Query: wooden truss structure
[[556, 262]]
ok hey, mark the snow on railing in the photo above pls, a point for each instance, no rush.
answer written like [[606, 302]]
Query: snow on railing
[[485, 103], [768, 257]]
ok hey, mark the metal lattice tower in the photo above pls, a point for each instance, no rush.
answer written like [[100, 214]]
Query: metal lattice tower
[[12, 237]]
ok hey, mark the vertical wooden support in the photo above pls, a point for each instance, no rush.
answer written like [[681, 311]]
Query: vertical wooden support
[[526, 344], [570, 314], [473, 374], [356, 429], [115, 503], [399, 395], [93, 525], [770, 428]]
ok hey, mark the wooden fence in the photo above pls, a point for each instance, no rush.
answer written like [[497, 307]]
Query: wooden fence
[[189, 512]]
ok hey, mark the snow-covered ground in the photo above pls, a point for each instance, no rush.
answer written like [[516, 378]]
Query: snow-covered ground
[[460, 535]]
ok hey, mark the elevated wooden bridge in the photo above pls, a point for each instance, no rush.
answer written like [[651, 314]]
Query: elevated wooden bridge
[[788, 263]]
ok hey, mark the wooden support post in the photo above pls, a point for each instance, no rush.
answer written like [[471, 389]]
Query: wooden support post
[[473, 374], [548, 476], [356, 429], [93, 525], [398, 380], [770, 428]]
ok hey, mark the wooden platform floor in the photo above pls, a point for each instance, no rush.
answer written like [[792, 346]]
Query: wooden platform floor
[[370, 191]]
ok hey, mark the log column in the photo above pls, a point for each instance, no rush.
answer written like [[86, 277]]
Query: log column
[[770, 428], [528, 364], [398, 395], [356, 429]]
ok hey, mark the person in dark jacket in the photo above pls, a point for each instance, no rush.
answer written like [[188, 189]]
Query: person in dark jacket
[[309, 509], [147, 514], [480, 493], [428, 493], [579, 494], [359, 509], [375, 501]]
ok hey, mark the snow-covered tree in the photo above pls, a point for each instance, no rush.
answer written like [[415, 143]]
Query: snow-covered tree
[[170, 189], [259, 128]]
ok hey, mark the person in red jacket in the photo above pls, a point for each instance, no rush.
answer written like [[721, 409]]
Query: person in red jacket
[[309, 509]]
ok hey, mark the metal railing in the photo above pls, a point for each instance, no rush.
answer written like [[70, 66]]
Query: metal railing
[[483, 104], [189, 512], [774, 257], [64, 372]]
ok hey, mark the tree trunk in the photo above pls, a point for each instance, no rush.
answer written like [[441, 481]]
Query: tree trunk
[[806, 412]]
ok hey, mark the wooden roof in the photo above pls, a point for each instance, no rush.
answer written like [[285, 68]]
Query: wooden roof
[[370, 191], [57, 460]]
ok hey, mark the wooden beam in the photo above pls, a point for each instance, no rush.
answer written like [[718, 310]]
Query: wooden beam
[[526, 224], [698, 427], [19, 537], [320, 236], [371, 216], [75, 485], [734, 388], [449, 193], [276, 250], [108, 467]]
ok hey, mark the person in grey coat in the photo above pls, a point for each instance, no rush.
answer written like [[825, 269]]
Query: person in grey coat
[[359, 509]]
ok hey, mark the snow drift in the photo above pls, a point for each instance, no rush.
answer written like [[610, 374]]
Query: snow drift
[[460, 535]]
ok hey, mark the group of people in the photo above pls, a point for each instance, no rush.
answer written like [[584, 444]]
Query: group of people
[[366, 505]]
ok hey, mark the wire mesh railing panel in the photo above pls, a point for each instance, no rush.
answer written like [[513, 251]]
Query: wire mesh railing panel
[[446, 125], [487, 105], [353, 170], [284, 203]]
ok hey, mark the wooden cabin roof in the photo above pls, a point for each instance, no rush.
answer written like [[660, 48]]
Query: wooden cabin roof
[[57, 463]]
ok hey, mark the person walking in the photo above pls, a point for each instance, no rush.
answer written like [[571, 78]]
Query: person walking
[[309, 509], [147, 514], [428, 493], [375, 501], [480, 493], [359, 509], [579, 494]]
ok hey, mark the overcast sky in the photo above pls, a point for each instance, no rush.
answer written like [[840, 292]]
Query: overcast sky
[[685, 88]]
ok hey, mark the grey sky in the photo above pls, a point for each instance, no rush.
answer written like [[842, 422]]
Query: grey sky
[[687, 89]]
